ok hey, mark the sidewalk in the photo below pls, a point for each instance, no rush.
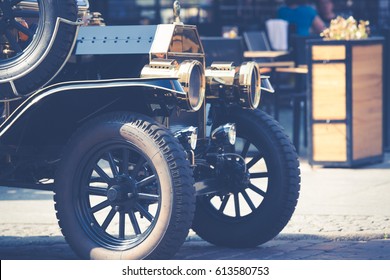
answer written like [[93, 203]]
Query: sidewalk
[[344, 203], [341, 214]]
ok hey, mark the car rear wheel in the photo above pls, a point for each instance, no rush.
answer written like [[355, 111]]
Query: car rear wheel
[[251, 213]]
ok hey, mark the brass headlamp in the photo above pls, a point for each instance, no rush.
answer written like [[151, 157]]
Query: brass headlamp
[[190, 74], [240, 83], [249, 83], [220, 75]]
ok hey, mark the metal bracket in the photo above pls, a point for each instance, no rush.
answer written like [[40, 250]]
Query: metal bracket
[[266, 84]]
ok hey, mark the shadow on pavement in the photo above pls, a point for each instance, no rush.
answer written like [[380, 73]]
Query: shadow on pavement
[[35, 248], [285, 248], [9, 194]]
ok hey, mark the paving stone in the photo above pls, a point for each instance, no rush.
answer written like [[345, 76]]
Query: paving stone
[[329, 246], [342, 214], [297, 255]]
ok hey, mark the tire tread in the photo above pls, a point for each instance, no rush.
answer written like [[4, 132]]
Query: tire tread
[[288, 159], [181, 174]]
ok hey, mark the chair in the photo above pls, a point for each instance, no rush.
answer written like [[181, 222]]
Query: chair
[[298, 95], [278, 31], [257, 41], [223, 49]]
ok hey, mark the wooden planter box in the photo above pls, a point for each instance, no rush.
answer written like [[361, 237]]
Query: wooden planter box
[[345, 102], [387, 90]]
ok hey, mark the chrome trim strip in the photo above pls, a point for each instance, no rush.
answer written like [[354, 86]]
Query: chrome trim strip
[[67, 21], [41, 94], [14, 88], [267, 85], [9, 100], [189, 55]]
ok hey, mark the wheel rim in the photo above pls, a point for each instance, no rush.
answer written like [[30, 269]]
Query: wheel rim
[[21, 27], [120, 197], [244, 200]]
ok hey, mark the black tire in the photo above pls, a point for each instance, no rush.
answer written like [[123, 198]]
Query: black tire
[[265, 205], [139, 204], [28, 67]]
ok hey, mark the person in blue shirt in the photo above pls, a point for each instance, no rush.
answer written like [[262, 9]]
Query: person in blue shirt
[[302, 17], [325, 10]]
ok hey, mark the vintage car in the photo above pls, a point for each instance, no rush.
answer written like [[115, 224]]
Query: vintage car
[[138, 140]]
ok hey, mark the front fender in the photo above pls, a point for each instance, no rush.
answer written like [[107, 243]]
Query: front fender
[[51, 115]]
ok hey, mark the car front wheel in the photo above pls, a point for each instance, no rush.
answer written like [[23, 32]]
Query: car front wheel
[[124, 190]]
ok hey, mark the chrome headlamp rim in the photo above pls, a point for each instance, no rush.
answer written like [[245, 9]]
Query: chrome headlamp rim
[[191, 76], [186, 72], [225, 134], [232, 134], [188, 137], [250, 85]]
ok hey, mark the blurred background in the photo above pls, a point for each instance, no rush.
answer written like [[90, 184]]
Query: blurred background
[[212, 15], [220, 17]]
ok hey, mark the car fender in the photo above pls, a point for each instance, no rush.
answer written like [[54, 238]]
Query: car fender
[[54, 113]]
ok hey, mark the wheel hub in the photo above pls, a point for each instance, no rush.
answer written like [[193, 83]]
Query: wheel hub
[[233, 173], [122, 191], [115, 194]]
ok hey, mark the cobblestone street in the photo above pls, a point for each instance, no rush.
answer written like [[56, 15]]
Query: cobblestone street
[[341, 214]]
